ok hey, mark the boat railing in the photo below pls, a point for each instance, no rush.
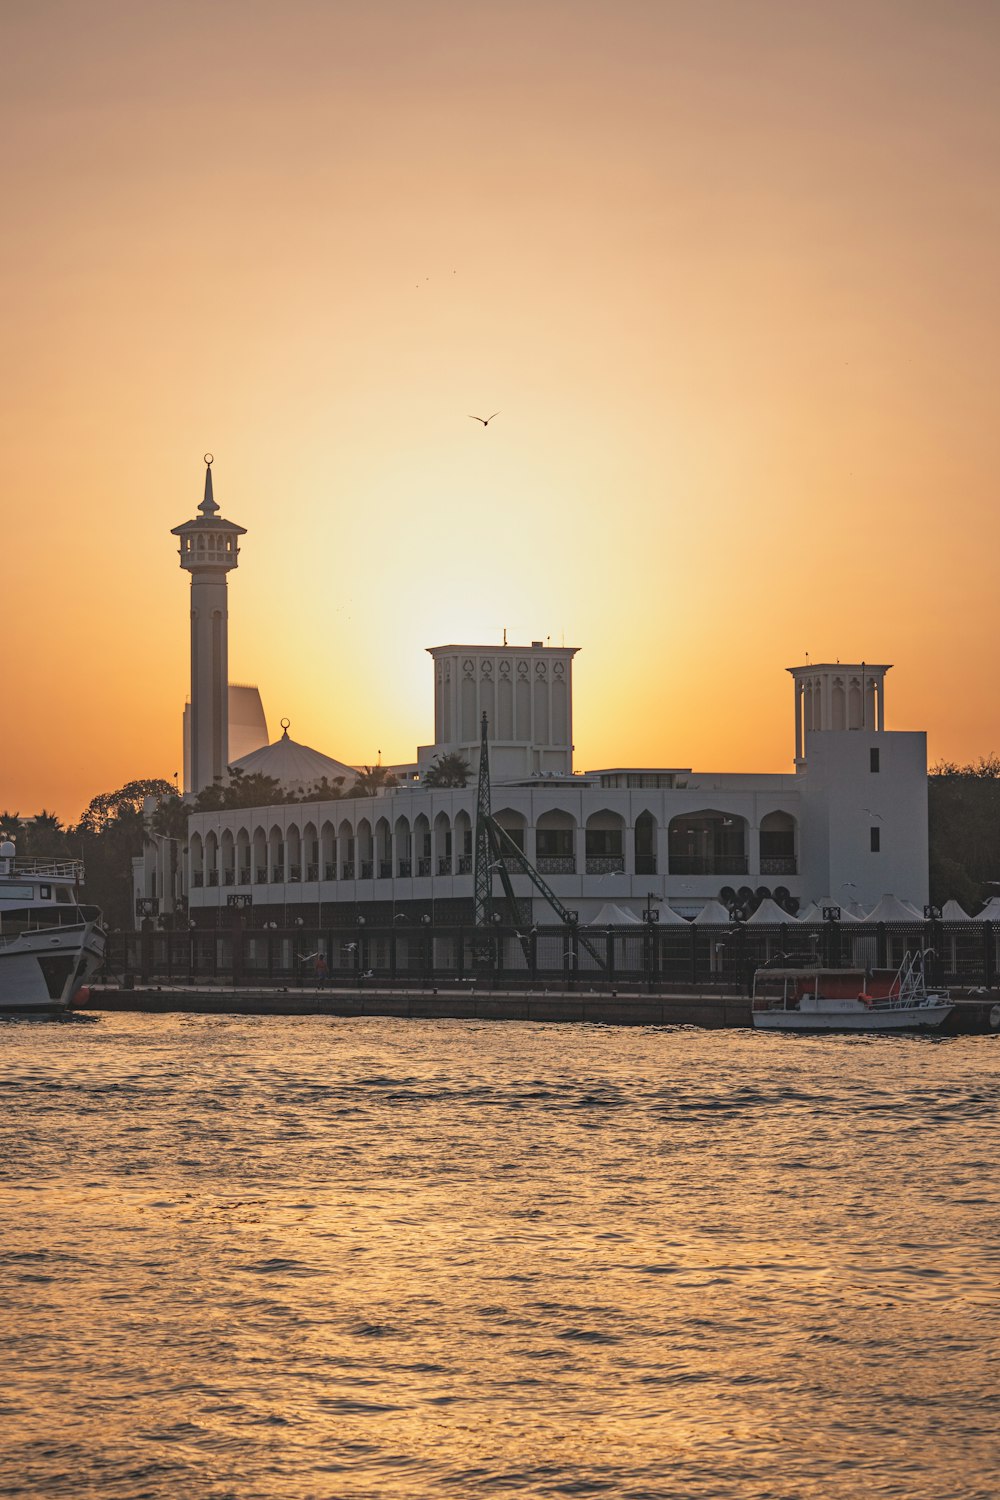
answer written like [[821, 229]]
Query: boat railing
[[60, 869], [910, 983], [58, 919]]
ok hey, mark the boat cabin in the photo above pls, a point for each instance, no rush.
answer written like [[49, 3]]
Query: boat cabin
[[788, 988]]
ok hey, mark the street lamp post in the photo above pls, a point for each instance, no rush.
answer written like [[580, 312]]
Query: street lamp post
[[650, 917]]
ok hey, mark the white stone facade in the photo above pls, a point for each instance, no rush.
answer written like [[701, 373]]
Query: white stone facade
[[526, 694], [849, 824]]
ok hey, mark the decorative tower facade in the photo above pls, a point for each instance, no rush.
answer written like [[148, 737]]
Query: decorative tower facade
[[209, 549]]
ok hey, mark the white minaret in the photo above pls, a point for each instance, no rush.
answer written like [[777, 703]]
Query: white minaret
[[208, 550]]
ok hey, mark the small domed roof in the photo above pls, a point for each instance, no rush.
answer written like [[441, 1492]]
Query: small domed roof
[[297, 767]]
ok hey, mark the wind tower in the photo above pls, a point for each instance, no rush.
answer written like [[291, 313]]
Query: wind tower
[[209, 549]]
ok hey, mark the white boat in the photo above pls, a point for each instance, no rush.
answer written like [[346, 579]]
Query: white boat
[[50, 945], [815, 999]]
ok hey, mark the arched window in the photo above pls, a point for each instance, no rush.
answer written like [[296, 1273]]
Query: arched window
[[514, 824], [463, 841], [442, 844], [403, 848], [259, 856], [555, 843], [310, 853], [383, 850], [839, 704], [293, 849], [604, 840], [347, 850], [276, 857], [777, 844], [422, 849], [707, 843], [327, 851], [645, 844], [244, 871], [366, 855]]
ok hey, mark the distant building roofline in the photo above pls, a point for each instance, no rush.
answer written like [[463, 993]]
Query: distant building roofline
[[497, 647]]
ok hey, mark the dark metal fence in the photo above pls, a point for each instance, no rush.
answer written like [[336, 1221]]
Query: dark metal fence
[[648, 957]]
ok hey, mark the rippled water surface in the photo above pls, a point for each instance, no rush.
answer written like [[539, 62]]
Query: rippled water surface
[[346, 1258]]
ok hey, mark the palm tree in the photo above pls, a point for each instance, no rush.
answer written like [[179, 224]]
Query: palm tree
[[46, 834], [10, 825], [372, 780], [449, 770]]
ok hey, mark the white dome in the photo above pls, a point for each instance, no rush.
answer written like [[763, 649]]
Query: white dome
[[297, 767]]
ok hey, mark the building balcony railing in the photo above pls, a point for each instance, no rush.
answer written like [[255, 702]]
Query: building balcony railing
[[367, 866], [645, 864], [330, 870], [197, 878], [786, 865], [465, 864], [213, 877], [605, 864], [405, 869], [424, 865], [384, 869], [444, 864], [557, 864], [312, 872], [245, 875], [348, 871], [708, 864], [295, 872], [229, 877], [261, 875], [278, 875]]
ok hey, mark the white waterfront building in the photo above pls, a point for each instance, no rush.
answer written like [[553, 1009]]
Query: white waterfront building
[[846, 824], [849, 823]]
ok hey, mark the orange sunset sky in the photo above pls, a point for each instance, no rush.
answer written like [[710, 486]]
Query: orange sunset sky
[[728, 269]]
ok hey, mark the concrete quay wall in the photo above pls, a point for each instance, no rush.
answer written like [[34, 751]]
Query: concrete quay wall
[[709, 1010]]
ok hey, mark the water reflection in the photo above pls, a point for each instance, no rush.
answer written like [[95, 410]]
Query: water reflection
[[355, 1258]]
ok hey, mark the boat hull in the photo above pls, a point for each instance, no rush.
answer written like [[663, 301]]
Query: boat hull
[[927, 1016], [42, 970]]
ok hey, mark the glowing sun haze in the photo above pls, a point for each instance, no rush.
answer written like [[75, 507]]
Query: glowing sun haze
[[728, 271]]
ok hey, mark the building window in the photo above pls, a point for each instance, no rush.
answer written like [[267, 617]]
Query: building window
[[876, 839], [873, 760], [602, 843], [554, 843]]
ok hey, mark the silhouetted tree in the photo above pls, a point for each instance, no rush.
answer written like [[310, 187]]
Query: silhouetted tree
[[371, 781], [256, 790], [448, 770], [10, 825], [109, 835], [964, 831], [44, 836], [326, 791]]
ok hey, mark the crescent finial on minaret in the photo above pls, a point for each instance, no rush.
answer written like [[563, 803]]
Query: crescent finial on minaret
[[208, 506]]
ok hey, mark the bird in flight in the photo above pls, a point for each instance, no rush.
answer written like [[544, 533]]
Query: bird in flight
[[485, 420]]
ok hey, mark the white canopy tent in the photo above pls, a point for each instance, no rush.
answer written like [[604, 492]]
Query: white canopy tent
[[891, 909], [611, 915], [670, 918], [712, 914]]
